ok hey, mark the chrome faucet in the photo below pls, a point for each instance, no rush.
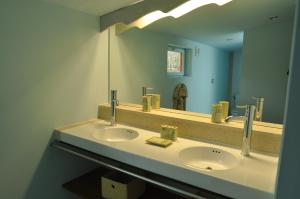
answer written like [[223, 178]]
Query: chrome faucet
[[259, 108], [248, 122], [114, 103], [145, 90]]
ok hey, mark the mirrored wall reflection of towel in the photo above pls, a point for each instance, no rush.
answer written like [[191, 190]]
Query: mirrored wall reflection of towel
[[179, 97]]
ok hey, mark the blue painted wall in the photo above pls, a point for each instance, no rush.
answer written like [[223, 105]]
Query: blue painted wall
[[236, 75], [139, 58]]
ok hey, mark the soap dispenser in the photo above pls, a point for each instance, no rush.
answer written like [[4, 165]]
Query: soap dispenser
[[146, 99], [146, 103]]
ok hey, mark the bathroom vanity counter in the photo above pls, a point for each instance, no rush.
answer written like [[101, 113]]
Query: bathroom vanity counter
[[252, 177]]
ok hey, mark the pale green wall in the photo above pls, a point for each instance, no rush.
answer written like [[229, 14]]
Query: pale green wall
[[139, 58], [53, 65], [264, 66]]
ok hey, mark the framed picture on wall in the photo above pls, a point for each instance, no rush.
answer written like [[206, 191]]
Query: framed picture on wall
[[176, 61]]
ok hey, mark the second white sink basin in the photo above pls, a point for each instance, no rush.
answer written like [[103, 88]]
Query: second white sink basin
[[115, 134], [208, 158]]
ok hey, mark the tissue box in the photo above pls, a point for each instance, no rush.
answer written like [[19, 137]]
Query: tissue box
[[120, 186]]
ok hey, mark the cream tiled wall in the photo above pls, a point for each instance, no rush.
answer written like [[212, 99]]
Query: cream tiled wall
[[265, 138]]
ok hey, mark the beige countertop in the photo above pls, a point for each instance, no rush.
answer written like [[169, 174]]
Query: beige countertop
[[254, 177]]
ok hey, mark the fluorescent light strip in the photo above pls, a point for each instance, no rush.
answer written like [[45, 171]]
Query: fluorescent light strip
[[139, 1], [192, 5], [176, 12], [148, 19]]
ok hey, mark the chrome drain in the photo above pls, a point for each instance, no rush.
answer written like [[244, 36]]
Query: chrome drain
[[209, 168]]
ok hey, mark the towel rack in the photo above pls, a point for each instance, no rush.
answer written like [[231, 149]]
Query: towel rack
[[183, 189]]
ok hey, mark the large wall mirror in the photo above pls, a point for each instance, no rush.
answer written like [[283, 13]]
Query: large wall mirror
[[233, 52]]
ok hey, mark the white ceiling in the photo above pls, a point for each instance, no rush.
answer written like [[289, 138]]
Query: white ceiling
[[210, 24], [214, 25], [94, 7]]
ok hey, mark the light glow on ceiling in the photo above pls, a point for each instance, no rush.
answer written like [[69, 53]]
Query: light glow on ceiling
[[176, 12], [192, 5], [148, 19]]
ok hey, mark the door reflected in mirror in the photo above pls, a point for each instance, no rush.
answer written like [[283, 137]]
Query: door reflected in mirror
[[238, 52]]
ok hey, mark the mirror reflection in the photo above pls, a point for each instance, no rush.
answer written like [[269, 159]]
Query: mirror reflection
[[209, 55]]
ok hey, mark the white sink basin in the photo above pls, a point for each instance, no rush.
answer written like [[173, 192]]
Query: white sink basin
[[208, 158], [115, 134]]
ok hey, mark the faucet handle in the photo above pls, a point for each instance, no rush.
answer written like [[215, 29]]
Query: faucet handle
[[247, 108], [145, 89], [113, 94], [231, 117], [259, 107], [256, 98], [241, 107]]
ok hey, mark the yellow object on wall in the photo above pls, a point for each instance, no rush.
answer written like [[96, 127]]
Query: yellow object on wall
[[225, 108], [146, 103], [155, 101], [216, 113]]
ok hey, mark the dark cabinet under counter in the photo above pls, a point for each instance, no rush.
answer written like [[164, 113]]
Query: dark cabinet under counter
[[88, 186]]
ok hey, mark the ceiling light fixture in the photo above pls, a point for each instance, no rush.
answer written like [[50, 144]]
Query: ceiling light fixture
[[136, 2], [176, 12]]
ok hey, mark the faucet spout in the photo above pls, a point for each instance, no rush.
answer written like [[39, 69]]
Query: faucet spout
[[247, 132], [249, 117], [231, 117], [114, 103], [145, 90]]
